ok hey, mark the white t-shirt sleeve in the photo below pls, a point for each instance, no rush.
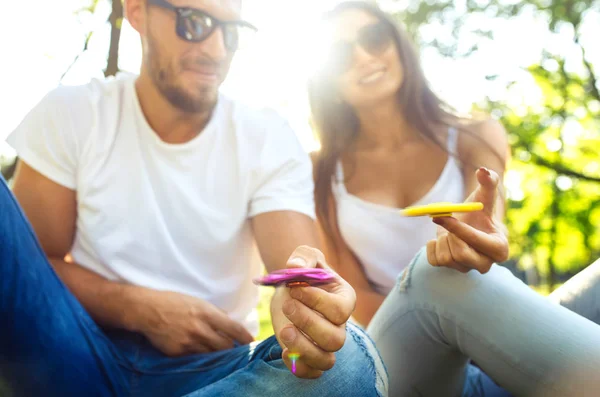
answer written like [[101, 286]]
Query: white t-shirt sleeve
[[45, 140], [285, 179]]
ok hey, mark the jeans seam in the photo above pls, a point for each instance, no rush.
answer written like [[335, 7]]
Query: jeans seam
[[405, 278], [135, 375], [364, 341]]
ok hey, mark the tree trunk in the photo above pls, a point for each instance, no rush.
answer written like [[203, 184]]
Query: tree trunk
[[116, 19]]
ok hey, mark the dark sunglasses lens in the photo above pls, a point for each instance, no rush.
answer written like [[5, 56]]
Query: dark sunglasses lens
[[194, 26], [375, 38]]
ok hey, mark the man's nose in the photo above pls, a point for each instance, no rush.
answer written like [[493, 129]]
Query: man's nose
[[214, 45]]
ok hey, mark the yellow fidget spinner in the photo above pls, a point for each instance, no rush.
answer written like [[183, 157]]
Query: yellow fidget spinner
[[436, 210]]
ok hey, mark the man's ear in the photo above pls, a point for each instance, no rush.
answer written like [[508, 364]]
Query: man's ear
[[135, 13]]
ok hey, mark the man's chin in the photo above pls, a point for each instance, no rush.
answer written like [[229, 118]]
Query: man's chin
[[203, 95], [193, 102]]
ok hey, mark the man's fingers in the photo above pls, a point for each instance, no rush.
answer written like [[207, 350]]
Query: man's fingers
[[205, 335], [302, 369], [194, 348], [305, 256], [232, 329], [310, 354], [491, 245], [176, 348], [336, 300], [327, 336], [335, 307]]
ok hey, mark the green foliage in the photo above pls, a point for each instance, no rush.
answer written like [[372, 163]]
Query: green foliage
[[554, 206]]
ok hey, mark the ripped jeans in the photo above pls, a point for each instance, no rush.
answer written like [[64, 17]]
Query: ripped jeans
[[436, 319]]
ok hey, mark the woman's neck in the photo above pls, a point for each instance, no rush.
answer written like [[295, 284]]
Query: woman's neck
[[384, 125]]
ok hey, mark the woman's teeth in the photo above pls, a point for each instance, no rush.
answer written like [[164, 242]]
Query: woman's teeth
[[371, 78]]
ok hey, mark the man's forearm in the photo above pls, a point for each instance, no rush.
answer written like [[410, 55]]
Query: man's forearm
[[109, 303]]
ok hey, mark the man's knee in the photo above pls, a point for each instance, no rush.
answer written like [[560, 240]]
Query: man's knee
[[358, 364]]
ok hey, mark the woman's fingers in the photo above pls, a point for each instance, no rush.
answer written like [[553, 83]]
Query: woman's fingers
[[463, 254], [492, 245], [438, 254], [450, 251]]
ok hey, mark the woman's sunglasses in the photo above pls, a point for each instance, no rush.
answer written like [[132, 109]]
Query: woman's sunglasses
[[374, 39], [195, 25]]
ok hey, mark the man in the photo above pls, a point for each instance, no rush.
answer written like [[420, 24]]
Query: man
[[148, 196]]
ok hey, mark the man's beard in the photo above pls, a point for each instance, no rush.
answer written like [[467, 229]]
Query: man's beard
[[163, 77]]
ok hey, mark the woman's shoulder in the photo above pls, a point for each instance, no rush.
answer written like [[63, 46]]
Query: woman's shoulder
[[481, 136], [482, 125]]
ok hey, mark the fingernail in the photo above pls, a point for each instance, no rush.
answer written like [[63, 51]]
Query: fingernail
[[299, 262], [487, 172], [438, 221], [288, 334], [296, 293], [289, 307]]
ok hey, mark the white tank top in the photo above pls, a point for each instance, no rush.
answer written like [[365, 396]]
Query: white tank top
[[383, 240]]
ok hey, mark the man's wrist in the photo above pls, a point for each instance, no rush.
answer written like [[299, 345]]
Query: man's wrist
[[135, 309]]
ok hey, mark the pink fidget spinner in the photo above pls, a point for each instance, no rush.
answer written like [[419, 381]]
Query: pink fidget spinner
[[296, 277]]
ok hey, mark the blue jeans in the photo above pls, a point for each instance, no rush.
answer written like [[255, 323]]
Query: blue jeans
[[50, 346], [436, 319]]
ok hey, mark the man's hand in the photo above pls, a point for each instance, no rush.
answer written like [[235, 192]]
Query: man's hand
[[311, 321], [472, 240], [178, 324]]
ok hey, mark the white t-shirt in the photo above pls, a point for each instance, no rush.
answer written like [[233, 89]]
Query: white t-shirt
[[167, 216]]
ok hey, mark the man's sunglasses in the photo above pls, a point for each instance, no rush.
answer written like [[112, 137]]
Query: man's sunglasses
[[374, 39], [195, 25]]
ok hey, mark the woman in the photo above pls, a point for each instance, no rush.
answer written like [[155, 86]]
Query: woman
[[387, 142]]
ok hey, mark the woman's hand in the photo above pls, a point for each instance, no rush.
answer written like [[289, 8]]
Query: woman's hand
[[472, 240]]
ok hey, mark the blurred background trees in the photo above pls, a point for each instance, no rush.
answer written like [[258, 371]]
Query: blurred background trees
[[554, 177]]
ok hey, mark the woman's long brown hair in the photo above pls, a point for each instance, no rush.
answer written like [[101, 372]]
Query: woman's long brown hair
[[337, 126]]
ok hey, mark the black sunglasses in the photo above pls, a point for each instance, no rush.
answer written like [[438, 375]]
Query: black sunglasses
[[195, 25], [374, 39]]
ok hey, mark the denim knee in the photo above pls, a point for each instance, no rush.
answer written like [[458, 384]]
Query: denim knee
[[360, 361]]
